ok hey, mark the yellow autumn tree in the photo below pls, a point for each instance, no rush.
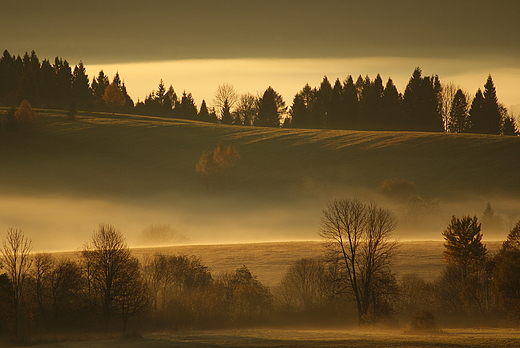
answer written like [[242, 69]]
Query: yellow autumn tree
[[215, 162], [114, 97], [25, 115], [213, 165]]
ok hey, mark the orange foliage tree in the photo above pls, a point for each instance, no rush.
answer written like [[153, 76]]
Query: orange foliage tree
[[25, 115], [114, 97], [217, 161]]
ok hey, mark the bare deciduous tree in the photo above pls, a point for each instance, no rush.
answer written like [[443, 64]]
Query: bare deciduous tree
[[225, 94], [105, 260], [303, 286], [16, 261], [358, 237]]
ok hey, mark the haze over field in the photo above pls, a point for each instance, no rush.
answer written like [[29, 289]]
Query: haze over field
[[132, 171]]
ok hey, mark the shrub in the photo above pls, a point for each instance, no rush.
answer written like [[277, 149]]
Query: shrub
[[423, 320], [25, 115]]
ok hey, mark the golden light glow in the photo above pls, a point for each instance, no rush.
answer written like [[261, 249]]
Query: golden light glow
[[288, 76]]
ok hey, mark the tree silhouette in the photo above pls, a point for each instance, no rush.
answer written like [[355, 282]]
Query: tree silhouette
[[271, 109], [80, 86], [16, 261], [203, 112], [491, 109], [106, 260], [226, 114], [422, 103], [357, 237], [509, 126], [187, 108], [247, 109], [477, 114], [458, 116], [463, 244], [25, 115], [114, 98], [301, 108], [350, 104], [391, 118]]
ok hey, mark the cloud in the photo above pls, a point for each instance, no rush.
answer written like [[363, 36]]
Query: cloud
[[135, 30]]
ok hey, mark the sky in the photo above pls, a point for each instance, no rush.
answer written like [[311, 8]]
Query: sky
[[196, 45]]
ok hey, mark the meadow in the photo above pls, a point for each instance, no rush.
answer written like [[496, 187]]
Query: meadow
[[331, 338], [63, 178]]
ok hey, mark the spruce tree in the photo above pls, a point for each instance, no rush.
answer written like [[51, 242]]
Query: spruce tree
[[492, 115], [63, 81], [47, 88], [477, 114], [422, 103], [509, 127], [203, 112], [391, 107], [80, 86], [271, 109], [350, 105], [187, 108], [226, 114], [29, 82], [458, 117], [371, 104], [335, 112], [301, 108], [320, 106]]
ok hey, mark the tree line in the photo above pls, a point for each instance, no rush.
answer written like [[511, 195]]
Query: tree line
[[107, 288], [363, 104]]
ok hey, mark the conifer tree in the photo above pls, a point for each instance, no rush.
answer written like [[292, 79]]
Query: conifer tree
[[63, 81], [80, 86], [320, 106], [47, 85], [477, 114], [371, 104], [463, 244], [492, 115], [335, 112], [509, 127], [170, 101], [187, 108], [301, 108], [29, 82], [203, 112], [391, 107], [350, 104], [226, 114], [271, 109], [422, 103], [458, 117]]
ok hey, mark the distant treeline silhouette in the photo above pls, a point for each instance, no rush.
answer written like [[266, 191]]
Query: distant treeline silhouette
[[364, 104]]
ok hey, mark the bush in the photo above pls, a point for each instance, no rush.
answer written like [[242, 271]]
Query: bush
[[25, 115], [423, 320]]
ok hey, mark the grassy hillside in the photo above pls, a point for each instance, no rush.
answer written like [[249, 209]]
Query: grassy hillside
[[269, 261], [137, 170]]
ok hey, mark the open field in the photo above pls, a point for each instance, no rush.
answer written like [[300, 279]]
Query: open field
[[63, 178], [269, 261], [481, 338]]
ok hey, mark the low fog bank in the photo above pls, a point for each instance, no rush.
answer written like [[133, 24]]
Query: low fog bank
[[59, 223]]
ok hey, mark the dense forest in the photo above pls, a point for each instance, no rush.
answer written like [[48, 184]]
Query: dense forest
[[363, 104]]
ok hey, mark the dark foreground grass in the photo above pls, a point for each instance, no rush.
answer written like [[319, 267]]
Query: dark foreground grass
[[483, 338]]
